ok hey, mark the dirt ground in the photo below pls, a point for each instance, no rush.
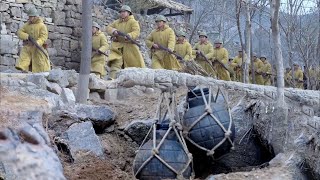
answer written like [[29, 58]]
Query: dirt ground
[[119, 150]]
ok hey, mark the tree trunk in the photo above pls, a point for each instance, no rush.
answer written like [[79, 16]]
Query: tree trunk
[[85, 64], [318, 49], [277, 50], [248, 42]]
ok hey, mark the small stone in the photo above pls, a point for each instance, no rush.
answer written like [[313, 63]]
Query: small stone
[[138, 129]]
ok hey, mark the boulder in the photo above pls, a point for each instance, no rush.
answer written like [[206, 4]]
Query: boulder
[[94, 96], [72, 76], [54, 88], [68, 96], [22, 156], [138, 129], [100, 116], [82, 141], [38, 80], [58, 76], [96, 83]]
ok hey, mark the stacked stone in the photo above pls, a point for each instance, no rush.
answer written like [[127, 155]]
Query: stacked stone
[[63, 19]]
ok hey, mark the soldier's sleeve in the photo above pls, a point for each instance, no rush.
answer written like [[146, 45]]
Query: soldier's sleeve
[[194, 50], [104, 43], [269, 69], [149, 40], [225, 57], [111, 28], [22, 33], [172, 40], [210, 53], [300, 77], [259, 66], [43, 35], [135, 30], [234, 62], [189, 52]]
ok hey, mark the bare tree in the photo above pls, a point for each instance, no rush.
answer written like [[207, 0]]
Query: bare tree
[[86, 51], [275, 8]]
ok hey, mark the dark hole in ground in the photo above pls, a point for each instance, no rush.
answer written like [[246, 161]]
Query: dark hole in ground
[[64, 150], [251, 153]]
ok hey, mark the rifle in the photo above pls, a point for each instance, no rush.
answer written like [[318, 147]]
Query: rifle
[[128, 38], [205, 58], [265, 74], [98, 51], [218, 62], [180, 58], [37, 46]]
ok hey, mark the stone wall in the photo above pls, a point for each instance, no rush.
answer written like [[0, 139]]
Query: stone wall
[[63, 19]]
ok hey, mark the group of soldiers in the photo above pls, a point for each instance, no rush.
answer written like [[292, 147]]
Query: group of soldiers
[[165, 46]]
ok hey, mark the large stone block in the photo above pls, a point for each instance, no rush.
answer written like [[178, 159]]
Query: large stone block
[[16, 11], [83, 141], [24, 156], [59, 18], [70, 22], [57, 75], [63, 30], [68, 96], [8, 44], [4, 6], [100, 116], [58, 61], [7, 61]]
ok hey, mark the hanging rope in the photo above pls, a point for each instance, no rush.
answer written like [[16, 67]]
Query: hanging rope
[[209, 112], [169, 101]]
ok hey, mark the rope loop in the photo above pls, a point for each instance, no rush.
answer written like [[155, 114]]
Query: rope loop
[[179, 126], [228, 134], [155, 151]]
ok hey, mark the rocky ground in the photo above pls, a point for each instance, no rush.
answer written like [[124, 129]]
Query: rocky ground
[[99, 140]]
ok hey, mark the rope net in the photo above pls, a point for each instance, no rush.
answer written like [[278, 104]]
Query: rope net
[[166, 111], [209, 111]]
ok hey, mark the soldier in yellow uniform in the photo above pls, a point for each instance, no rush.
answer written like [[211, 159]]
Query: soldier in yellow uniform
[[123, 52], [313, 77], [236, 65], [298, 76], [163, 35], [258, 68], [220, 54], [204, 47], [288, 78], [99, 44], [30, 55], [183, 47], [266, 71]]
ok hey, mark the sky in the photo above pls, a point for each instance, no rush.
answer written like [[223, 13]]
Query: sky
[[308, 6]]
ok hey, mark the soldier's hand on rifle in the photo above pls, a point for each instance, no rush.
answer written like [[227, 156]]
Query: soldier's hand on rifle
[[30, 38], [155, 46]]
